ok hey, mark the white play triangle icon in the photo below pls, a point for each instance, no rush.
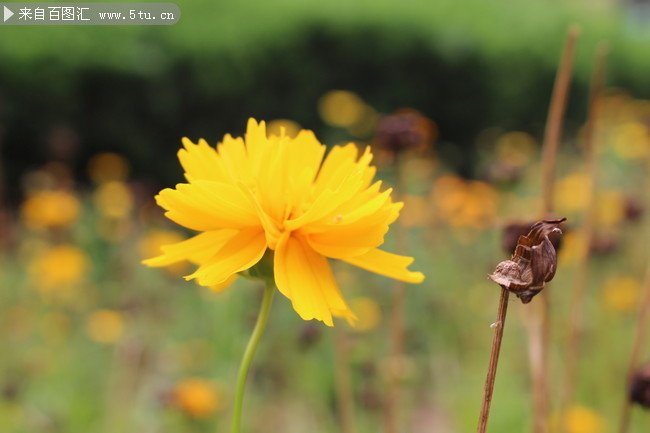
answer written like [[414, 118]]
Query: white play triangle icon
[[7, 13]]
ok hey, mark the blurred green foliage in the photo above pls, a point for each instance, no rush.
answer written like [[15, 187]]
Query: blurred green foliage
[[137, 90]]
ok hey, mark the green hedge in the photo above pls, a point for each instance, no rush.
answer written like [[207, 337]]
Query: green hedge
[[136, 90]]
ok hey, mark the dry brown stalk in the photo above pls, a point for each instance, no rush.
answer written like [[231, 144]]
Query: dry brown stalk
[[588, 228], [494, 360], [639, 338], [538, 345], [532, 265], [555, 117]]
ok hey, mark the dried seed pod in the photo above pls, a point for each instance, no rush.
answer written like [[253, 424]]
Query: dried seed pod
[[640, 387], [633, 209], [513, 230], [604, 243], [405, 130], [533, 263]]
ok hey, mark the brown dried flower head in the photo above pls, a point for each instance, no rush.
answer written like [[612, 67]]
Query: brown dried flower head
[[533, 263], [640, 387], [513, 230], [405, 130]]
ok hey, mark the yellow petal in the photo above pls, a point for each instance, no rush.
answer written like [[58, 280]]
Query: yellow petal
[[257, 142], [220, 287], [347, 241], [305, 277], [339, 182], [364, 203], [305, 157], [340, 165], [201, 162], [271, 228], [235, 158], [272, 179], [390, 265], [241, 252], [376, 211], [339, 157], [353, 234], [206, 205], [197, 249], [323, 206]]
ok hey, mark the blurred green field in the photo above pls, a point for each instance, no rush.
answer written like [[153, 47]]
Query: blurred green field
[[94, 341], [135, 90]]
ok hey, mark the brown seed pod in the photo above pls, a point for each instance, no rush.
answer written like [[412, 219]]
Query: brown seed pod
[[405, 130], [533, 263], [513, 230], [639, 391], [633, 209]]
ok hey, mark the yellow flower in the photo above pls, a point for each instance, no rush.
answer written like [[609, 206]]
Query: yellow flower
[[581, 419], [621, 294], [632, 140], [369, 314], [463, 203], [107, 167], [276, 193], [105, 326], [516, 148], [59, 268], [341, 108], [113, 199], [610, 207], [197, 397], [572, 192], [50, 209], [574, 246]]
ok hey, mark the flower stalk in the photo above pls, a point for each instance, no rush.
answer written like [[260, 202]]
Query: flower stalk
[[494, 360], [588, 229], [240, 387], [533, 264], [538, 344], [639, 337]]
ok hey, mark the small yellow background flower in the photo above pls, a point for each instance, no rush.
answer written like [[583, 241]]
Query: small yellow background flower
[[280, 193], [197, 397]]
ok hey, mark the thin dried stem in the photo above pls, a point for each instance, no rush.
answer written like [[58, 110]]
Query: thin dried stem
[[397, 326], [538, 344], [494, 361], [343, 382], [639, 337], [538, 337], [555, 117], [588, 227]]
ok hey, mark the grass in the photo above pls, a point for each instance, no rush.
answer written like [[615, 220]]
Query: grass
[[174, 329]]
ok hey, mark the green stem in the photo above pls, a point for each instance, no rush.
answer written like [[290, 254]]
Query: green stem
[[248, 356]]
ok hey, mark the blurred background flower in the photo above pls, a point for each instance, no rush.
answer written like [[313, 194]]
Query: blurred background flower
[[48, 209], [197, 397], [58, 270]]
